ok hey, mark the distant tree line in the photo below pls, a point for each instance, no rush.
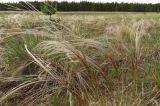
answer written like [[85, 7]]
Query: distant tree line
[[83, 6]]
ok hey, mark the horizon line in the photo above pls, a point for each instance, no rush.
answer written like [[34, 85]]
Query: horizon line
[[76, 1]]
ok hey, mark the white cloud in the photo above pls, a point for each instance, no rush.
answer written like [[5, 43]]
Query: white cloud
[[130, 1]]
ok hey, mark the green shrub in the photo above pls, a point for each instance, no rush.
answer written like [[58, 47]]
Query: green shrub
[[48, 8]]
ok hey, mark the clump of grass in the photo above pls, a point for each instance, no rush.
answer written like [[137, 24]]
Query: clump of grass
[[15, 46], [56, 101], [3, 64]]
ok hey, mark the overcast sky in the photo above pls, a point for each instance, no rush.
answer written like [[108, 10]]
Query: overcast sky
[[133, 1]]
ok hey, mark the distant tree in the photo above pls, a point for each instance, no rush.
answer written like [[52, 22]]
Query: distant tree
[[49, 8], [157, 7], [3, 7]]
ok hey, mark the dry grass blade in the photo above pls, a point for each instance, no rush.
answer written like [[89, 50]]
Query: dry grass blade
[[46, 69], [21, 86]]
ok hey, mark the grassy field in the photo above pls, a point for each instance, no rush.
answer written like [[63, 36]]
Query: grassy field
[[79, 59]]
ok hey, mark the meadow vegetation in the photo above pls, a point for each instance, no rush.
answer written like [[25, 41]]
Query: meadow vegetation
[[110, 59]]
